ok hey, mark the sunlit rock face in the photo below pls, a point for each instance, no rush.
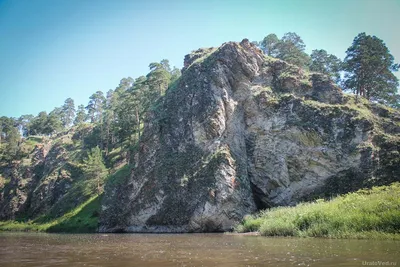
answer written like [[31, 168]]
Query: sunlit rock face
[[37, 183], [241, 132]]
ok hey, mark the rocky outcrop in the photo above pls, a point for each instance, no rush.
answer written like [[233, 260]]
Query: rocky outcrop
[[37, 182], [242, 132], [196, 55], [15, 195]]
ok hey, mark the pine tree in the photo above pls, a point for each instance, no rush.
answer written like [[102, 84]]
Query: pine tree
[[80, 115], [68, 112], [269, 44], [53, 122], [24, 123], [95, 106], [9, 138], [369, 70], [291, 49], [38, 124], [159, 77], [94, 168], [326, 63]]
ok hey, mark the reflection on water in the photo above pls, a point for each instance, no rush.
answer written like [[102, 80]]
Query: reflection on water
[[30, 249]]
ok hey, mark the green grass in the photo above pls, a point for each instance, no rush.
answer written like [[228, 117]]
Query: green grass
[[373, 214], [119, 176], [65, 216], [33, 139], [82, 219]]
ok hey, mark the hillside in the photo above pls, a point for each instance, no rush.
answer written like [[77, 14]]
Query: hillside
[[238, 132], [47, 187]]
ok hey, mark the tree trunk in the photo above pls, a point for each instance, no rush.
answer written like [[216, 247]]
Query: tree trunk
[[107, 137], [137, 122], [98, 186]]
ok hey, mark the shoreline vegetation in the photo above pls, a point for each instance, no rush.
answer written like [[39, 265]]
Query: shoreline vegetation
[[82, 219], [364, 214]]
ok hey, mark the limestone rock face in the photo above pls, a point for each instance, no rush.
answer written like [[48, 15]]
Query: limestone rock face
[[242, 132]]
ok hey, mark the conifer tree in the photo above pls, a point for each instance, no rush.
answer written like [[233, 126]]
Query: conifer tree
[[369, 70], [94, 168]]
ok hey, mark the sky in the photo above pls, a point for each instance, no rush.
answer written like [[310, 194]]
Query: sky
[[51, 50]]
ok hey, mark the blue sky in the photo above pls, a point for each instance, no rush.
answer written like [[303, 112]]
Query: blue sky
[[54, 49]]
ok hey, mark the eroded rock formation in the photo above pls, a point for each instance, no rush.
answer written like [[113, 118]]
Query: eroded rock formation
[[241, 132]]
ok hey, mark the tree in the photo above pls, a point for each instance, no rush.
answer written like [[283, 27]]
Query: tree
[[24, 123], [291, 49], [326, 63], [369, 70], [165, 65], [159, 77], [94, 168], [80, 115], [130, 112], [110, 117], [124, 85], [269, 44], [44, 124], [175, 74], [38, 124], [95, 106], [53, 123], [9, 138], [68, 112]]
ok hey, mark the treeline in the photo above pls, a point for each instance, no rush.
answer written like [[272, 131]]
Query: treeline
[[367, 70], [116, 118], [110, 120]]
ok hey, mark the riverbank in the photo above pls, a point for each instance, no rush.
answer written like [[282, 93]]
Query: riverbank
[[82, 219], [365, 214]]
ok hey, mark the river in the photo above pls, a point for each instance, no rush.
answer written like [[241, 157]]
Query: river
[[33, 249]]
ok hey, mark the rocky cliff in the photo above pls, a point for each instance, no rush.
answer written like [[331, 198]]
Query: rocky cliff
[[240, 132]]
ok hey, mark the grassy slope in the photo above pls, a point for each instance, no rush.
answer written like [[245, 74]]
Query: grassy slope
[[74, 218], [373, 213], [80, 219]]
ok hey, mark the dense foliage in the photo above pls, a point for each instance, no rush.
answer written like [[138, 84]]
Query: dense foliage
[[326, 63], [117, 117], [369, 70], [290, 48]]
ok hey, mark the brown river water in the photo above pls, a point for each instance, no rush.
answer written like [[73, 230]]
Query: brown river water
[[31, 249]]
